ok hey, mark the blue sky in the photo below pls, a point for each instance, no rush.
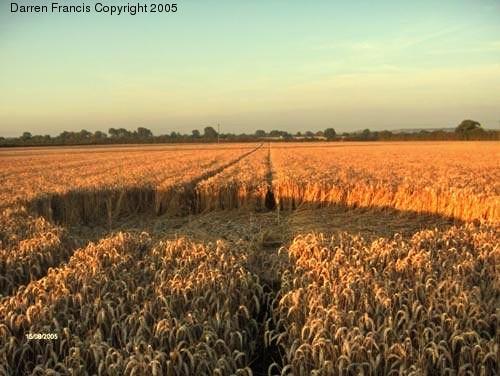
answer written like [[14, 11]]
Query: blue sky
[[250, 65]]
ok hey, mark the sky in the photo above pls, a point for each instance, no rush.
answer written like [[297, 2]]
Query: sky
[[274, 64]]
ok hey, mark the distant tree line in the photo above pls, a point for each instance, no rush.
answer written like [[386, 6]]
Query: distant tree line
[[466, 130]]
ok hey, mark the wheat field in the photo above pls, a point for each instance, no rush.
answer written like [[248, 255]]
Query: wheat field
[[251, 259]]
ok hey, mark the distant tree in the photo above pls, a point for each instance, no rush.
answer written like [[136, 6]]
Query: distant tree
[[309, 134], [144, 132], [195, 133], [330, 133], [298, 134], [320, 133], [113, 132], [467, 125], [120, 133], [26, 136], [39, 140], [63, 135], [385, 135], [467, 129], [174, 134], [98, 135], [366, 134], [275, 133], [123, 133], [84, 135], [210, 132], [260, 133]]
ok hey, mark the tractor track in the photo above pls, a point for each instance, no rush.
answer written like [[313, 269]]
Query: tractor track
[[100, 206], [56, 209]]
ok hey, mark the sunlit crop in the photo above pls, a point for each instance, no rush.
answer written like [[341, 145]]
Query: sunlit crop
[[280, 259]]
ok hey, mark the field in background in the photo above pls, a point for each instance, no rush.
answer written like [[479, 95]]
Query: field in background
[[324, 258]]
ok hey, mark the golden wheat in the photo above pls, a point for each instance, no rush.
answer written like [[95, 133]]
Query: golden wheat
[[162, 303], [242, 185], [124, 306], [424, 306], [459, 180]]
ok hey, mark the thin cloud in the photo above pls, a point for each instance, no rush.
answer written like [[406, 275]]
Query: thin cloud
[[391, 44], [411, 42], [486, 47]]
